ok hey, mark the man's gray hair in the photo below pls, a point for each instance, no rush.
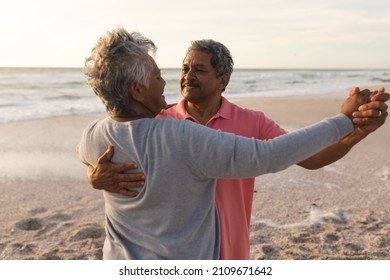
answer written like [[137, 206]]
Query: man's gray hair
[[118, 59], [221, 59]]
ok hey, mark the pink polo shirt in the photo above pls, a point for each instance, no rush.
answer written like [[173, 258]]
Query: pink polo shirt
[[233, 196]]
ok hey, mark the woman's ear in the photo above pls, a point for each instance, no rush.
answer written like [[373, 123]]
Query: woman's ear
[[136, 91]]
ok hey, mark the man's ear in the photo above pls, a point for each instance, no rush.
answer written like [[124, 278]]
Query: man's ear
[[136, 91], [224, 81]]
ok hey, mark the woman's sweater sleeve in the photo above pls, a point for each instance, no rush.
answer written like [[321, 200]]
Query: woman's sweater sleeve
[[225, 155]]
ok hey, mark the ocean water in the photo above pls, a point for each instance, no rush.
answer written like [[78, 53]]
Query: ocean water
[[33, 93]]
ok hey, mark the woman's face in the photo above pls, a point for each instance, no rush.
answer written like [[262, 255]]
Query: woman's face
[[154, 98]]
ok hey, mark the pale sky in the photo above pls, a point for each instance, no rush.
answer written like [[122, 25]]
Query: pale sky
[[259, 33]]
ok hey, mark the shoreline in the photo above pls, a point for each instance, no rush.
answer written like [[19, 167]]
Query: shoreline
[[252, 102], [338, 212]]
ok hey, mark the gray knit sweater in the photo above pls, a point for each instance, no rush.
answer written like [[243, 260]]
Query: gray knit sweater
[[174, 216]]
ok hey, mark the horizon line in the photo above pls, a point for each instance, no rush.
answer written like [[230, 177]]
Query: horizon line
[[178, 68]]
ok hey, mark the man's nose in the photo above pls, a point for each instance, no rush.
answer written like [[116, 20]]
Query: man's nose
[[190, 75]]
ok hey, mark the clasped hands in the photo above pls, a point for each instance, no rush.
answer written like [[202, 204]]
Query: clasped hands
[[372, 114]]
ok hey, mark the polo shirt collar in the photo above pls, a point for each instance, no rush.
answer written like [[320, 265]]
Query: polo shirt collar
[[225, 111]]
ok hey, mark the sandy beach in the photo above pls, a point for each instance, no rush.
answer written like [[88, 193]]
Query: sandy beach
[[339, 212]]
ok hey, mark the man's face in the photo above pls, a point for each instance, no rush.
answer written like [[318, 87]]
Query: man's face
[[198, 81]]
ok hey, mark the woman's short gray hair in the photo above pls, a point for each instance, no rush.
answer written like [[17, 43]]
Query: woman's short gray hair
[[221, 59], [118, 59]]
